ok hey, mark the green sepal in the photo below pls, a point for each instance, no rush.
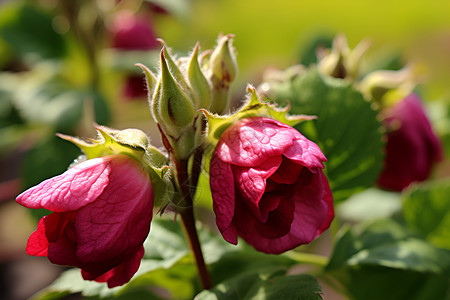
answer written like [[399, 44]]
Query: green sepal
[[111, 141], [198, 81], [253, 107], [151, 80], [175, 71]]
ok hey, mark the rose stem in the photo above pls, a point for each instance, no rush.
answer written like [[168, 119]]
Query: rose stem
[[187, 216]]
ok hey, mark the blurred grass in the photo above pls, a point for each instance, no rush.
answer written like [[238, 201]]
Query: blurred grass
[[275, 32]]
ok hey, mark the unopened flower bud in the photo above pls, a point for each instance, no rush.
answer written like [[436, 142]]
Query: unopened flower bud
[[222, 71], [223, 61], [171, 107]]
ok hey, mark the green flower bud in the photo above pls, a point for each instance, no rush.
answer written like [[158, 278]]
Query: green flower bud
[[222, 71], [223, 60], [174, 112], [171, 107]]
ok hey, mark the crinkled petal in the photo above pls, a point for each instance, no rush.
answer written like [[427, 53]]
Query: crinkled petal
[[313, 213], [250, 141], [222, 190], [251, 182], [306, 153], [117, 223], [71, 190]]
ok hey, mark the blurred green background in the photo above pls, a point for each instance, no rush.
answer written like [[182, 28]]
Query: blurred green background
[[60, 72]]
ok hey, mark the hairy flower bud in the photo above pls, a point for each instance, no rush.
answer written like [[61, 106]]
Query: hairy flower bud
[[222, 72], [171, 107]]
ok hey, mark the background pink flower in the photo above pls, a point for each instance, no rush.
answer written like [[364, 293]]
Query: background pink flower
[[412, 148], [102, 210], [268, 186]]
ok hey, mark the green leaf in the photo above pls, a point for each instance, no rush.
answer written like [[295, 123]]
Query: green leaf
[[370, 204], [426, 208], [51, 102], [265, 284], [28, 30], [385, 261], [346, 128]]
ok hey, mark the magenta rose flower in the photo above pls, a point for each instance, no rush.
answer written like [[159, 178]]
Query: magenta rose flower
[[102, 210], [268, 186], [412, 148]]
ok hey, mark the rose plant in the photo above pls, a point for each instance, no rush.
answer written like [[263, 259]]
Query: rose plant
[[270, 177]]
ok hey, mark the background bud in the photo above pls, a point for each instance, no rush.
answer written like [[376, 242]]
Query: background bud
[[222, 71]]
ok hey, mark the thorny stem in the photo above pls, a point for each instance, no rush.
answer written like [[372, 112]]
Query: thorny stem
[[187, 216]]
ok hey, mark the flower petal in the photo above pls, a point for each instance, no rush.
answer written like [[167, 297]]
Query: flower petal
[[312, 215], [117, 223], [118, 275], [71, 190], [250, 141], [222, 190], [288, 172], [37, 242], [305, 152], [251, 182]]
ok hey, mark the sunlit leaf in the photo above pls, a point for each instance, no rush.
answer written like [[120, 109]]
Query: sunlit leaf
[[385, 260], [370, 204], [426, 208], [265, 284]]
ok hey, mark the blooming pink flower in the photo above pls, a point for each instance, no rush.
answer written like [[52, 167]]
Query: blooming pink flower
[[268, 186], [412, 148], [102, 210]]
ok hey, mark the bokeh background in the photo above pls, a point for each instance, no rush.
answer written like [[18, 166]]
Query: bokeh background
[[65, 64]]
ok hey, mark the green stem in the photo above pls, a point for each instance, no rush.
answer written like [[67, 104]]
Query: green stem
[[308, 258]]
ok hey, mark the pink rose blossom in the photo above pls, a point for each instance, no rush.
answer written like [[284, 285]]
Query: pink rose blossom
[[102, 210], [412, 148], [268, 186]]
